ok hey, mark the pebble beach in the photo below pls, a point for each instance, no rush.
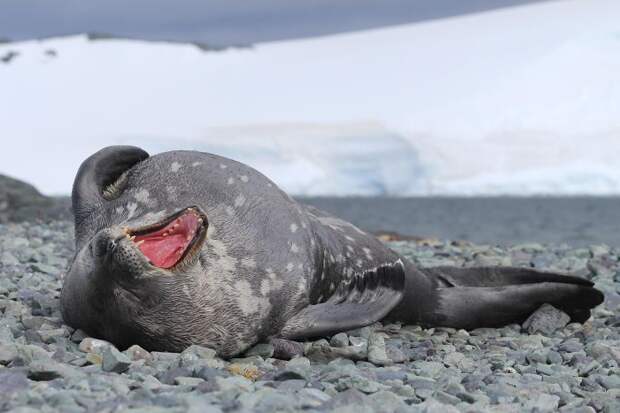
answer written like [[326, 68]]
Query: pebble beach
[[545, 365]]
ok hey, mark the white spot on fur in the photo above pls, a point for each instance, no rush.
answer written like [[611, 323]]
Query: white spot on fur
[[240, 200], [276, 282], [230, 181], [195, 164], [230, 211], [175, 166], [367, 252], [248, 262], [290, 266], [131, 207], [349, 238], [350, 248], [303, 225], [246, 300], [222, 166], [265, 288], [293, 227], [358, 263], [244, 178], [312, 242], [269, 184], [210, 231], [119, 210], [142, 196], [302, 285], [294, 248]]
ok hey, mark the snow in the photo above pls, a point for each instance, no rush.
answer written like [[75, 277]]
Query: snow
[[521, 100]]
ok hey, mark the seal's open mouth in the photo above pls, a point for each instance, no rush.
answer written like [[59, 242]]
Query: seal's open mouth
[[167, 243]]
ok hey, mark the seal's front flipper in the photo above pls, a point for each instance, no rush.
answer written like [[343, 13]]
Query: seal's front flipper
[[358, 302], [101, 177], [492, 297]]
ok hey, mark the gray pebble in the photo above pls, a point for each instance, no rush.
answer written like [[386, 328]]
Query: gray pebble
[[114, 360], [339, 340], [136, 352], [377, 353], [265, 350], [503, 369], [547, 319]]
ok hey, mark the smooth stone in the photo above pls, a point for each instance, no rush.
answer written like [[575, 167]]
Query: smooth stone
[[419, 382], [136, 352], [209, 373], [386, 401], [309, 398], [8, 353], [264, 350], [200, 351], [236, 383], [114, 360], [609, 382], [43, 268], [169, 376], [94, 345], [543, 403], [286, 349], [188, 381], [339, 340], [94, 358], [53, 335], [547, 319], [8, 259], [78, 335], [349, 397], [377, 353], [12, 381]]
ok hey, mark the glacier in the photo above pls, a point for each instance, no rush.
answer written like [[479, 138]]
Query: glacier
[[521, 101]]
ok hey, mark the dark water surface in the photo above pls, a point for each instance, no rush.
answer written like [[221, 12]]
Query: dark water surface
[[577, 221]]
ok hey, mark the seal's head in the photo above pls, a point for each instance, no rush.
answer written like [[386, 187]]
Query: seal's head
[[125, 281]]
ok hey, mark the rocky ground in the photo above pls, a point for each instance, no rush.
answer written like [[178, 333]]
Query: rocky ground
[[20, 201], [542, 366]]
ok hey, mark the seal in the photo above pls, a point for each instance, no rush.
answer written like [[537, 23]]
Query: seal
[[187, 248]]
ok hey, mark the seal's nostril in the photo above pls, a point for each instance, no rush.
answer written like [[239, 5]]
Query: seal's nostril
[[112, 244]]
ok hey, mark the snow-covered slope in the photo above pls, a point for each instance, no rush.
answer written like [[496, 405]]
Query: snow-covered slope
[[520, 100]]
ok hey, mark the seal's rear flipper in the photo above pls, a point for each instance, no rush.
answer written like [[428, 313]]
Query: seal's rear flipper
[[491, 297]]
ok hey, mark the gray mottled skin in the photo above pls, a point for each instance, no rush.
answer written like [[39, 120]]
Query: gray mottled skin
[[269, 266], [257, 267]]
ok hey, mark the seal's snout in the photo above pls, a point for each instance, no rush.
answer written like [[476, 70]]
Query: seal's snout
[[105, 244], [173, 240]]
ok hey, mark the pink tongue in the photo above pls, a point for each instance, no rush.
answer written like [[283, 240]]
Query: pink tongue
[[165, 247]]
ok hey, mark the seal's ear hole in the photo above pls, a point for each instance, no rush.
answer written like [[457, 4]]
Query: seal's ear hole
[[114, 186]]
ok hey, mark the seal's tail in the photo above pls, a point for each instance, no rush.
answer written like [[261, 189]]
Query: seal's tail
[[494, 296]]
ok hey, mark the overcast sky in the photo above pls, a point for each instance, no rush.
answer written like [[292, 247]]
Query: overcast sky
[[221, 22]]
